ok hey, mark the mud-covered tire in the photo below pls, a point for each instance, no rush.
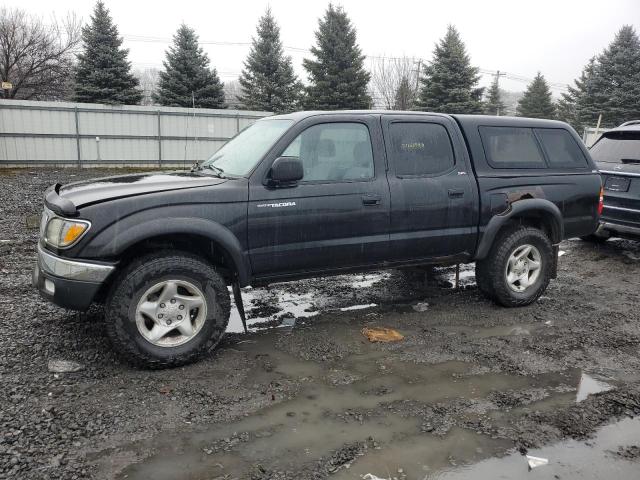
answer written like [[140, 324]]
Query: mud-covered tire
[[131, 285], [491, 272]]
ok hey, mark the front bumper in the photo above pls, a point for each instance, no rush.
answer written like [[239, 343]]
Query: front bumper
[[68, 283]]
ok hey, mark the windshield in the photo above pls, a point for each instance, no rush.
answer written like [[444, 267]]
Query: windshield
[[240, 154], [617, 147]]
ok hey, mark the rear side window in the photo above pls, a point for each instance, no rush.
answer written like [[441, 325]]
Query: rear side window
[[617, 147], [511, 147], [420, 149], [561, 148]]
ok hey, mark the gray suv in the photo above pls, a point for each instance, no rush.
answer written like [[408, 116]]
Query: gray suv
[[617, 154]]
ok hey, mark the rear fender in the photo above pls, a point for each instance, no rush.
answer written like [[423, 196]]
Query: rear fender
[[538, 207]]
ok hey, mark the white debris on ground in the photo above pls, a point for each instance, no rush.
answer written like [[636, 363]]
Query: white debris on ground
[[358, 307], [536, 461], [421, 307], [561, 253], [371, 476], [589, 385]]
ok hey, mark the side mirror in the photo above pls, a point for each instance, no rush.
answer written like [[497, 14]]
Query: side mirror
[[285, 171]]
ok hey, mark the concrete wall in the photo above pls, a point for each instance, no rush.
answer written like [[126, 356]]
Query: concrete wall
[[81, 134]]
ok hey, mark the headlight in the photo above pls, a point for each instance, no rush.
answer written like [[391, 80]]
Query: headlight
[[61, 232]]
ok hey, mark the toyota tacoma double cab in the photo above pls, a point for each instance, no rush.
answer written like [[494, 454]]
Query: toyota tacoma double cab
[[310, 194]]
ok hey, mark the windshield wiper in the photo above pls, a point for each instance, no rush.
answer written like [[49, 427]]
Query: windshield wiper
[[630, 160], [217, 171]]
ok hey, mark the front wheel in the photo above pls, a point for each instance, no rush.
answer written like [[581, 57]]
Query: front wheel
[[167, 310], [518, 267]]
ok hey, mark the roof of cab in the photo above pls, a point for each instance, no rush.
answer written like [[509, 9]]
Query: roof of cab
[[312, 113], [464, 120]]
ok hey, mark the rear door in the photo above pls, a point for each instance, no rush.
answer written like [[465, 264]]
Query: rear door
[[337, 216], [617, 155], [433, 194]]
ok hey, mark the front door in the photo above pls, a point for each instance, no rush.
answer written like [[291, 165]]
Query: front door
[[433, 195], [337, 216]]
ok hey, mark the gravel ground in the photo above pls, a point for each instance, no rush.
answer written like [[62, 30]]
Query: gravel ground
[[313, 398]]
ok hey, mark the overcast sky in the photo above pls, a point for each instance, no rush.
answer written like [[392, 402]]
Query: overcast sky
[[556, 37]]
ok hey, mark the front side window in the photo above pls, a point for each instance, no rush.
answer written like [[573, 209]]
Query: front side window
[[617, 147], [333, 152], [511, 147], [561, 148], [420, 149], [243, 152]]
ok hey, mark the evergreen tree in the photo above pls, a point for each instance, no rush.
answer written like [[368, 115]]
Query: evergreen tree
[[268, 80], [494, 104], [536, 101], [449, 83], [103, 73], [581, 105], [405, 95], [337, 74], [187, 78], [618, 78], [609, 85]]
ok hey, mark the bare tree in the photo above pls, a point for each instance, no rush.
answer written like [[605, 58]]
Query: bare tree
[[148, 79], [232, 94], [37, 57], [394, 81]]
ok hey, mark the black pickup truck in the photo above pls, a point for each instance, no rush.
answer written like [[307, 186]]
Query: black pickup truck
[[310, 194]]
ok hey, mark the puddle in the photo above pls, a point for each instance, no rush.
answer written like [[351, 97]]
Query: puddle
[[280, 304], [589, 385], [384, 403], [286, 304], [567, 460], [448, 275]]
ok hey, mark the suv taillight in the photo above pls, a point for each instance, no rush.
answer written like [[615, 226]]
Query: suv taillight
[[601, 201]]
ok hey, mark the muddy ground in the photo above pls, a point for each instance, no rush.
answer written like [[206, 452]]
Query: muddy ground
[[470, 389]]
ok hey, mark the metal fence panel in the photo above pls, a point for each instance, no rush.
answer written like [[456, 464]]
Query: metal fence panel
[[36, 133]]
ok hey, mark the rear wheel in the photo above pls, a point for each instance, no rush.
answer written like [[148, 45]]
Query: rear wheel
[[518, 267], [167, 310]]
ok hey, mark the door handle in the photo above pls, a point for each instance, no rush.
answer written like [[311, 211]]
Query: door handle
[[456, 193], [369, 200]]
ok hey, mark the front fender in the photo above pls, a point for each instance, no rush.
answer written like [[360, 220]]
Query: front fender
[[528, 206], [180, 226]]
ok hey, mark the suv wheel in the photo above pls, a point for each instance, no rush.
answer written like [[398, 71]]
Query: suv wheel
[[167, 310], [518, 268]]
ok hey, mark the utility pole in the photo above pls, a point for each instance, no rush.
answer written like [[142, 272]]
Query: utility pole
[[497, 76], [418, 73]]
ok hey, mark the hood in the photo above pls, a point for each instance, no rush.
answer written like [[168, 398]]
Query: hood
[[71, 196]]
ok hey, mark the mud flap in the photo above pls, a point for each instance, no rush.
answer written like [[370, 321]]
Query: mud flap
[[554, 264], [237, 297]]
